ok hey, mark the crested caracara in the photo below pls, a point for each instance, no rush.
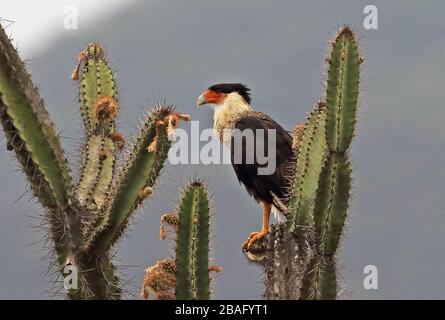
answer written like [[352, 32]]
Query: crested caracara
[[231, 103]]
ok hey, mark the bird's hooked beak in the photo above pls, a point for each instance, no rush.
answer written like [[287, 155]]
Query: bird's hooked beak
[[210, 97], [201, 100]]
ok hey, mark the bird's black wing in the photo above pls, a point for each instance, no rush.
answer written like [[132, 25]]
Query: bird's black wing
[[259, 186]]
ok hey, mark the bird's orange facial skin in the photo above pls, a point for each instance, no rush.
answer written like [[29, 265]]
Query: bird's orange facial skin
[[213, 97]]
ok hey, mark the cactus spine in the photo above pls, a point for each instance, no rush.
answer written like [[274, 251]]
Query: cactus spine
[[191, 265], [86, 220]]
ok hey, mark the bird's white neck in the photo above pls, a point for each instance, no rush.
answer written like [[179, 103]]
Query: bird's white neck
[[226, 112]]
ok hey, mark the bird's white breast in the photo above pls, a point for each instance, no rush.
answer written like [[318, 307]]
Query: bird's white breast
[[226, 114]]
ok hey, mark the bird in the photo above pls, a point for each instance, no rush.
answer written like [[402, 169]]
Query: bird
[[233, 110]]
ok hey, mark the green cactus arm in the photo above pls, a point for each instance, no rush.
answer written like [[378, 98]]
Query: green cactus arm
[[202, 244], [342, 90], [320, 280], [32, 136], [99, 106], [134, 184], [97, 81], [332, 203], [96, 172], [192, 244], [184, 247], [30, 132], [309, 162]]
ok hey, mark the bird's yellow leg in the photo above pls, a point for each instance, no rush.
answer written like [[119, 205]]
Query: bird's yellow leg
[[254, 236]]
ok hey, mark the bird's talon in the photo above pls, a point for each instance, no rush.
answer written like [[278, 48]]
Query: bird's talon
[[251, 235], [254, 236], [245, 243]]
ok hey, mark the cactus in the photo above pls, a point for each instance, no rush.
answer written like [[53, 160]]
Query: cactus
[[320, 279], [332, 203], [342, 90], [87, 218], [310, 156], [192, 244], [30, 132], [299, 257], [189, 274]]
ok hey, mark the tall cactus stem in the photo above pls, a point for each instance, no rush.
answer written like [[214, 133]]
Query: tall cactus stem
[[97, 86], [310, 157], [32, 136], [30, 132], [342, 90], [332, 203], [192, 244]]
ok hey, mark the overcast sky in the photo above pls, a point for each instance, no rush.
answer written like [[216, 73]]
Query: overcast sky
[[40, 22], [175, 49]]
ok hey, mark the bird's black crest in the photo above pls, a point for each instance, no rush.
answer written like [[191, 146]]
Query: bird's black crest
[[243, 90]]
